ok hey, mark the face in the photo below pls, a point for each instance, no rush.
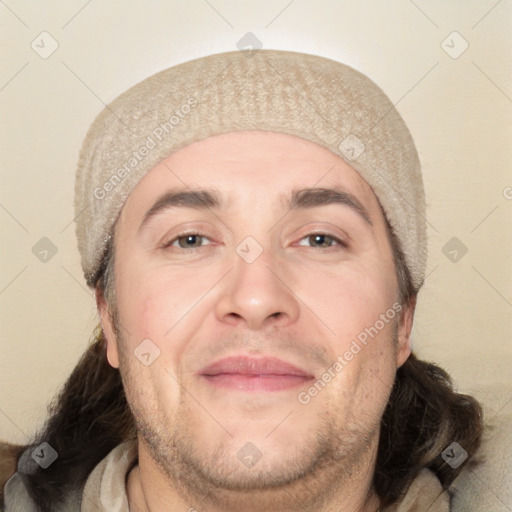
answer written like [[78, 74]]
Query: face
[[258, 340]]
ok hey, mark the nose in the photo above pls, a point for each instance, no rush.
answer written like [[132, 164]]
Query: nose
[[258, 294]]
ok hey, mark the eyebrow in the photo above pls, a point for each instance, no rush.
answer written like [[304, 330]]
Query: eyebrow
[[202, 199]]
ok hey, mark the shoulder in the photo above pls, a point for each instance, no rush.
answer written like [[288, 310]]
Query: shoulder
[[425, 494], [105, 489], [16, 468]]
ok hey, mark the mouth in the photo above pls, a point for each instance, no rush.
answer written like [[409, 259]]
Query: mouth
[[246, 373]]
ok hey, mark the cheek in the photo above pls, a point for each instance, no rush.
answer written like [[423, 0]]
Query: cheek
[[152, 391], [149, 306], [360, 309], [350, 300], [155, 304], [143, 307]]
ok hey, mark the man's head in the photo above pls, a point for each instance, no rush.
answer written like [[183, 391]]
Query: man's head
[[287, 256], [234, 212]]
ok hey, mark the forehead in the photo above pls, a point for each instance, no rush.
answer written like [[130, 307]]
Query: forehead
[[262, 166]]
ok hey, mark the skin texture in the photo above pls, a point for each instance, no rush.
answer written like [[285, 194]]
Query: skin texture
[[303, 300]]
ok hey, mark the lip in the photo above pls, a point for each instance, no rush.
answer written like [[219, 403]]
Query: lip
[[248, 373]]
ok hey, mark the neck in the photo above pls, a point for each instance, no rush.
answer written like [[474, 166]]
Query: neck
[[150, 490]]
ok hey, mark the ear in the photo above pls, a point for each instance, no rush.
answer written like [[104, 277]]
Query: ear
[[404, 331], [108, 329]]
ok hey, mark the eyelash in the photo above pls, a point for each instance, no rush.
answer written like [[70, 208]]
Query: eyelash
[[169, 244]]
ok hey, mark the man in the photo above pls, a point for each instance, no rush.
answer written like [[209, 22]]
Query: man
[[254, 230]]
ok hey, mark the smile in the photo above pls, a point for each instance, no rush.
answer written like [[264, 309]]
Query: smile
[[254, 374]]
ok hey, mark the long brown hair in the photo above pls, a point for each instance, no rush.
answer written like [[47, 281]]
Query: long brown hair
[[91, 416]]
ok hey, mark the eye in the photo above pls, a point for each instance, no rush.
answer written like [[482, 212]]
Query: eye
[[324, 240], [187, 241]]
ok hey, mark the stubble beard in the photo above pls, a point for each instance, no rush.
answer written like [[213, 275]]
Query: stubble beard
[[216, 481]]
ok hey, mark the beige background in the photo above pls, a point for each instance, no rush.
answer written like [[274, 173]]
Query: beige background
[[459, 111]]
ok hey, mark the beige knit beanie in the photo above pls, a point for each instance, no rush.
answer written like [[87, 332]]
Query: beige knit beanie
[[312, 97]]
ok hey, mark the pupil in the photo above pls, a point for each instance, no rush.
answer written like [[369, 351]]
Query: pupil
[[189, 238], [320, 239]]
